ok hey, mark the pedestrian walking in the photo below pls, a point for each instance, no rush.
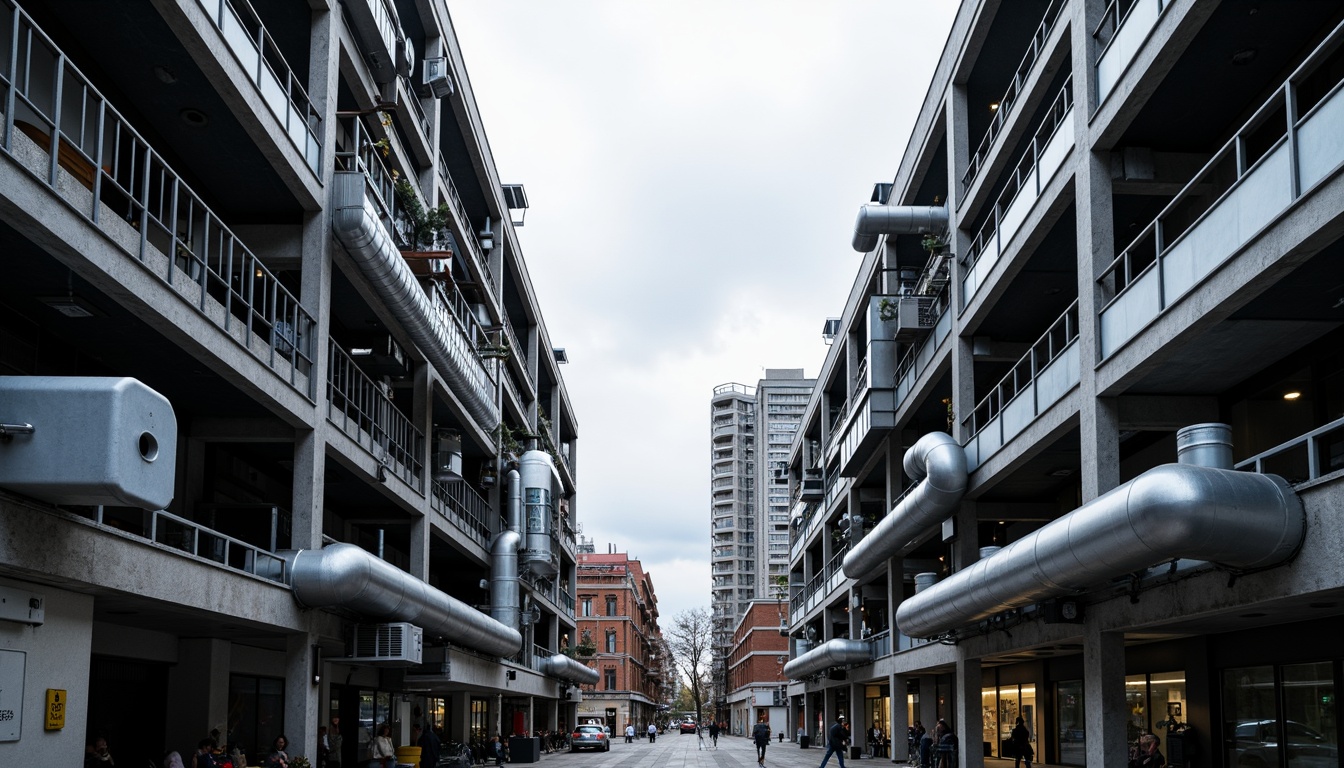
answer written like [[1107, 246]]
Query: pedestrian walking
[[714, 734], [835, 742], [760, 734]]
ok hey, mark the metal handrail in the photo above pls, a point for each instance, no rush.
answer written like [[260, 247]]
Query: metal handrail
[[180, 534], [145, 207], [301, 120], [1061, 333], [364, 411], [469, 235], [460, 504], [1009, 99], [1310, 440]]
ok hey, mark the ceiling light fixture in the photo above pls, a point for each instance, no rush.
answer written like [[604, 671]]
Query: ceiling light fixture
[[993, 106], [1290, 396], [194, 117]]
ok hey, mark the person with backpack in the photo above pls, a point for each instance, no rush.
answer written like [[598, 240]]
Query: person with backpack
[[760, 733], [835, 742]]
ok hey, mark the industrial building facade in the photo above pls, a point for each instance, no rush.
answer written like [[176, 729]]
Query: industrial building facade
[[283, 221], [1077, 452]]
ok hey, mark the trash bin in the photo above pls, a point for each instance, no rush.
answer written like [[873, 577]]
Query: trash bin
[[804, 741], [855, 753], [524, 749], [408, 756]]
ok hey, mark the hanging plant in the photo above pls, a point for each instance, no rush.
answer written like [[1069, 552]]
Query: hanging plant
[[933, 243], [428, 228]]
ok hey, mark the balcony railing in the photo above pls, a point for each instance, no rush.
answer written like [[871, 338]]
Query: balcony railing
[[1038, 165], [169, 530], [60, 129], [919, 358], [260, 57], [461, 505], [1304, 458], [1262, 171], [1009, 100], [469, 235], [1037, 381], [1124, 27], [364, 411]]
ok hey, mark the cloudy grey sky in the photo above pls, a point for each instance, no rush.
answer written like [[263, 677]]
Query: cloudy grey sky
[[694, 171]]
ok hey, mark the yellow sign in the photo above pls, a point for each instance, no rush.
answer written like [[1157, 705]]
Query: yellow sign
[[55, 709]]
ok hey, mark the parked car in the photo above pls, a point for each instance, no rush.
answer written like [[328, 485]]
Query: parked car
[[689, 726], [589, 737], [1257, 745]]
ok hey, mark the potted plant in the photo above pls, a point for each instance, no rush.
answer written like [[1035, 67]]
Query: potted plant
[[427, 230]]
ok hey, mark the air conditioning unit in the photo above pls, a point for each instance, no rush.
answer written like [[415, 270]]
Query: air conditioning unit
[[405, 57], [914, 317], [434, 75], [394, 645]]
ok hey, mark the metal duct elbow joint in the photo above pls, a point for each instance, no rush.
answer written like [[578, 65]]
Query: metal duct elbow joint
[[832, 653], [1240, 520], [939, 464], [346, 576], [876, 219], [505, 605], [565, 668]]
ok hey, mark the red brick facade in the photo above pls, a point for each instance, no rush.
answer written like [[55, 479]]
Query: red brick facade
[[758, 647], [618, 612]]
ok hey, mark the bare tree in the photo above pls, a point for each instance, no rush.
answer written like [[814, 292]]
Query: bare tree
[[690, 639]]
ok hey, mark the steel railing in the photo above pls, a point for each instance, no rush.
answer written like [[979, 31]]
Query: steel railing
[[177, 533], [1058, 337], [464, 222], [363, 409], [1304, 458], [461, 505], [60, 129]]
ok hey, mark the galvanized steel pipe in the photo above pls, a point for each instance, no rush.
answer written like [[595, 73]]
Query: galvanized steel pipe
[[505, 605], [876, 219], [346, 576], [1236, 519], [565, 668], [939, 462], [832, 653]]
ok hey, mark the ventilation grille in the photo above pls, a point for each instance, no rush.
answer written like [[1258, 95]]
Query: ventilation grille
[[400, 644]]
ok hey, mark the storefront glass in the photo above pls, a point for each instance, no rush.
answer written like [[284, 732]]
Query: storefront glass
[[1069, 715], [877, 714], [1166, 701], [989, 721], [1309, 712], [1251, 720], [1000, 707]]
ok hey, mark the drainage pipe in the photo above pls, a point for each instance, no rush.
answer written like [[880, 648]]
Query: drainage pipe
[[565, 668], [1240, 520], [832, 653], [939, 463], [504, 603], [345, 576], [444, 344], [876, 219]]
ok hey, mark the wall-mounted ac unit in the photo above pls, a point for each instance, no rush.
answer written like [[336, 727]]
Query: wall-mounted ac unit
[[394, 645], [914, 317], [434, 75]]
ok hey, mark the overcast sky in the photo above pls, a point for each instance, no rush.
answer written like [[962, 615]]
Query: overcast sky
[[694, 171]]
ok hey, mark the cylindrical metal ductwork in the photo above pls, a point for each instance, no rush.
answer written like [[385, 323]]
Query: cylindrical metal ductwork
[[876, 219], [832, 653], [366, 240], [939, 462], [346, 576], [538, 478], [1205, 445], [925, 580], [1237, 519], [505, 605], [565, 668]]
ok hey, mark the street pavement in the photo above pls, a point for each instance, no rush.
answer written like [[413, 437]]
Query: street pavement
[[672, 750]]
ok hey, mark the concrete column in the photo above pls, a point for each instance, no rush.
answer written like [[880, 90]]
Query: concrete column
[[422, 528], [928, 701], [1104, 695], [966, 713], [899, 720], [306, 500], [958, 159], [198, 686], [302, 702], [458, 726], [966, 546]]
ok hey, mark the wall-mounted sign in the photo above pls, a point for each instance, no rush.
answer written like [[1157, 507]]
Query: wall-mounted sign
[[55, 709], [11, 694]]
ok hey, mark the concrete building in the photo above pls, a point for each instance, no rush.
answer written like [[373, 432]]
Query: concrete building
[[749, 556], [619, 637], [284, 221], [1112, 221], [756, 681]]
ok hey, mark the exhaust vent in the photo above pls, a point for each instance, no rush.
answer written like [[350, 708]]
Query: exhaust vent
[[394, 645]]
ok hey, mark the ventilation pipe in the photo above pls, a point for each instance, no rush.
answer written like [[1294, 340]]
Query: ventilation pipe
[[1240, 520], [875, 219], [538, 479], [504, 603], [441, 340], [832, 653], [565, 668], [345, 576], [939, 464]]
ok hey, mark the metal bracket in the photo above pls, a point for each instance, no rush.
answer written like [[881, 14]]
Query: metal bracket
[[8, 431]]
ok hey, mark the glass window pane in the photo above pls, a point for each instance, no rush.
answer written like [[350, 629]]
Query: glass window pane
[[1028, 714], [989, 706], [1309, 714], [1166, 701], [1251, 720], [1072, 736], [1136, 707]]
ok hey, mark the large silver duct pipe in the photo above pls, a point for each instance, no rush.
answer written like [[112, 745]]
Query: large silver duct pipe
[[565, 668], [939, 462], [1237, 519], [505, 606], [832, 653], [539, 480], [431, 327], [346, 576], [876, 219]]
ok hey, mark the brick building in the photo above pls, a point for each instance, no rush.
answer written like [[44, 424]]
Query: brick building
[[618, 626], [756, 667]]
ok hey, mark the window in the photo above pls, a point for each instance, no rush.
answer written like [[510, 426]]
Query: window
[[257, 705], [609, 678], [611, 605], [1069, 716], [586, 606], [611, 641], [1299, 702]]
